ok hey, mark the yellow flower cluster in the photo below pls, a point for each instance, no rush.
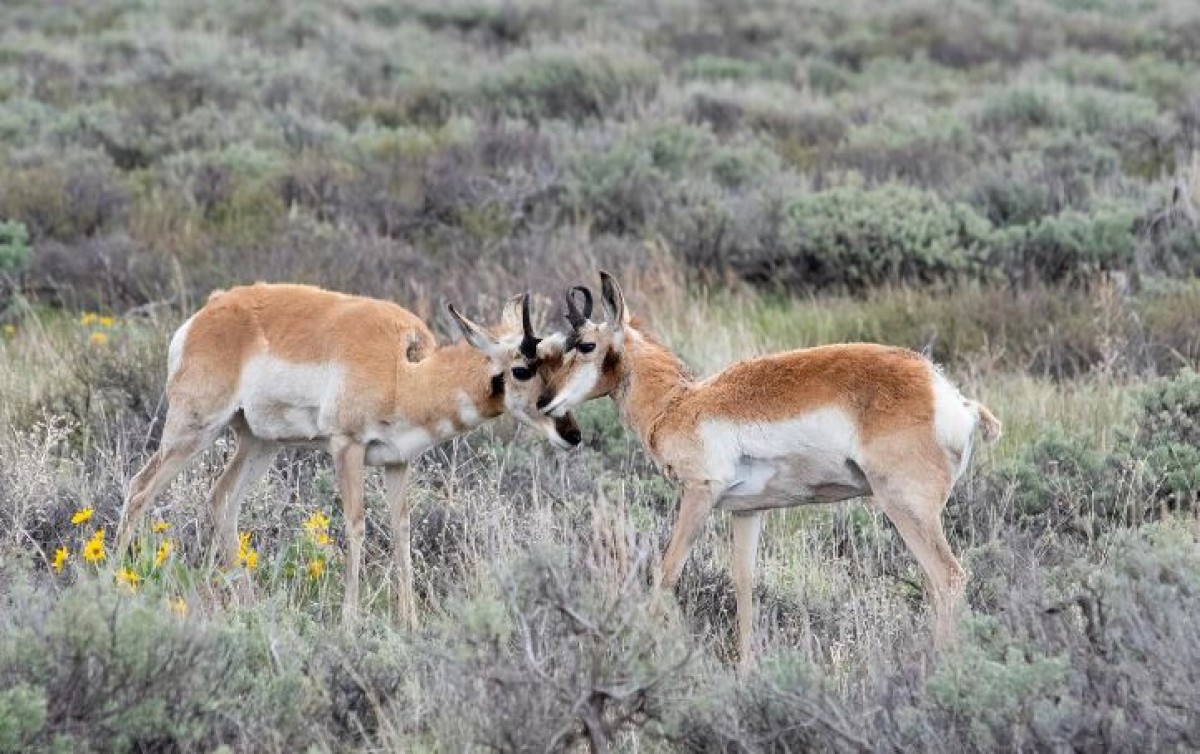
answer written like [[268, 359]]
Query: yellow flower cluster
[[10, 331], [129, 578], [104, 322], [316, 568], [61, 555], [88, 319], [93, 549], [317, 526], [164, 552], [318, 521], [82, 516], [247, 555]]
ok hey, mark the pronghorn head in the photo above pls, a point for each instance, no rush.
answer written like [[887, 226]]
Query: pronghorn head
[[523, 364], [592, 360]]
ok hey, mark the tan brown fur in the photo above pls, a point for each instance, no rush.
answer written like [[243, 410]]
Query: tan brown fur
[[388, 380], [896, 449]]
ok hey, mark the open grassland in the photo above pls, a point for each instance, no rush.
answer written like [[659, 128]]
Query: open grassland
[[1008, 186]]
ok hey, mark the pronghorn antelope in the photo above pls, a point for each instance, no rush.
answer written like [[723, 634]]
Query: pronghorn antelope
[[814, 425], [292, 364]]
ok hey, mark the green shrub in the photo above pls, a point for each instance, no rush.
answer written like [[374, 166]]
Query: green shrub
[[22, 717], [855, 238], [918, 148], [14, 246], [558, 661], [786, 706], [575, 83], [1066, 484], [996, 687], [1007, 199], [1169, 430], [1069, 246], [64, 199], [95, 670], [721, 68]]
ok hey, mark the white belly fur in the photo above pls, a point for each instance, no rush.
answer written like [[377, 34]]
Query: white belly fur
[[810, 458], [289, 402], [297, 403]]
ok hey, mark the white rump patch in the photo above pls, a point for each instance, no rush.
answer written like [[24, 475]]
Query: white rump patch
[[954, 421], [175, 350]]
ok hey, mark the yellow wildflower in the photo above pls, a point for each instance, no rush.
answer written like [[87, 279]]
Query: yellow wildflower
[[158, 527], [93, 549], [317, 522], [106, 321], [164, 551], [82, 516], [129, 578], [247, 555], [88, 318], [98, 339], [179, 606], [323, 539], [316, 568], [10, 331], [60, 559]]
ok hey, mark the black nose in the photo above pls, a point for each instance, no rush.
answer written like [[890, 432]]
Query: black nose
[[573, 436], [544, 400]]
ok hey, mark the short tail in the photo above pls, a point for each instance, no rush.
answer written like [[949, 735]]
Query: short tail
[[989, 426]]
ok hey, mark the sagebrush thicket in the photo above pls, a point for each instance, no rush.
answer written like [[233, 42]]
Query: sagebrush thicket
[[1012, 187]]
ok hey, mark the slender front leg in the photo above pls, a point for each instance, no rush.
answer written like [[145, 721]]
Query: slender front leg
[[746, 528], [348, 456], [697, 503], [396, 480]]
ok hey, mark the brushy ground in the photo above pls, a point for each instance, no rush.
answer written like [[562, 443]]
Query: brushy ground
[[1009, 185]]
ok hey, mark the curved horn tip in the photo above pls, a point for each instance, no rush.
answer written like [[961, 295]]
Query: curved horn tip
[[526, 318]]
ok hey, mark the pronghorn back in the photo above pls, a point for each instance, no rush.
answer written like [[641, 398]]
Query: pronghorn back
[[302, 324], [291, 355]]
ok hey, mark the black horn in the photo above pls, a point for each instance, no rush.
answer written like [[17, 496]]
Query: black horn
[[529, 342], [576, 317]]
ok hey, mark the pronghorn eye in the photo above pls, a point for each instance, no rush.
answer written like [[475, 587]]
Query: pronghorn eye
[[586, 347], [522, 373]]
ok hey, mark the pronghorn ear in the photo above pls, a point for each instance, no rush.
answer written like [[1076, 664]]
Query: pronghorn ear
[[475, 335], [614, 300], [510, 318]]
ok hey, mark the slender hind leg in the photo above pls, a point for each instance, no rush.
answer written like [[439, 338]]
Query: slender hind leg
[[251, 459], [746, 530], [912, 491], [180, 443]]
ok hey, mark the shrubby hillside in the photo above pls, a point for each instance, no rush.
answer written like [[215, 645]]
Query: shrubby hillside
[[1012, 187]]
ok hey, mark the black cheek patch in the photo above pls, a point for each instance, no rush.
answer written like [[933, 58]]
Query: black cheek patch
[[497, 385], [610, 362]]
